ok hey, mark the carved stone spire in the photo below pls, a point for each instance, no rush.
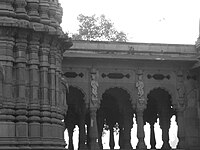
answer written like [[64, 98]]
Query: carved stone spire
[[198, 39], [32, 98]]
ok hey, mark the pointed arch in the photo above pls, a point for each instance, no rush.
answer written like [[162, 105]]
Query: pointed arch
[[131, 94], [170, 90], [80, 90]]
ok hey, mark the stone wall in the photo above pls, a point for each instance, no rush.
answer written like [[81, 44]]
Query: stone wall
[[32, 90]]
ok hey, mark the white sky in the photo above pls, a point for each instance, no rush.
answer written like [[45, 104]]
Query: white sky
[[149, 21]]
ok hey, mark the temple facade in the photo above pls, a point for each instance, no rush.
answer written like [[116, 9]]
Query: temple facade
[[96, 86], [32, 87], [110, 83]]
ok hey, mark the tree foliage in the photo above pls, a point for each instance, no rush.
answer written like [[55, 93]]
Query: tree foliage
[[98, 29]]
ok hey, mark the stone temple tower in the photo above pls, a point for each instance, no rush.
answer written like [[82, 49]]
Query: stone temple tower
[[32, 90]]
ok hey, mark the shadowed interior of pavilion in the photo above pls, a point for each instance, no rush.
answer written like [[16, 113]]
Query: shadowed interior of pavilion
[[116, 115]]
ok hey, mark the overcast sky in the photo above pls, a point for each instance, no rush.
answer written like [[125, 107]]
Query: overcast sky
[[151, 21]]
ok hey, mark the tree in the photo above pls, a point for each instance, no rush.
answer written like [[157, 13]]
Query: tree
[[98, 29]]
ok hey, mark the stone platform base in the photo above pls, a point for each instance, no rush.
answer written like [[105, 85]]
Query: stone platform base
[[141, 149]]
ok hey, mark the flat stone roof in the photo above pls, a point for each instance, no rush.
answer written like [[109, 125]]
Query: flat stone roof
[[129, 50]]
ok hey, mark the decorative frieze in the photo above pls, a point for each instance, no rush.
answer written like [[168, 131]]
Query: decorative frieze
[[115, 75], [73, 74], [158, 76]]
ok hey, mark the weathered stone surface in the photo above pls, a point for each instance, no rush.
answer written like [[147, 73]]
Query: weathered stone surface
[[26, 99], [159, 80]]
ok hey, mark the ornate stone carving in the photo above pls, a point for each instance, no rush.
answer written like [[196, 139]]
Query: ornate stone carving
[[180, 89], [43, 10], [140, 88], [52, 13], [59, 14], [33, 6], [6, 8], [32, 98], [94, 86], [20, 9]]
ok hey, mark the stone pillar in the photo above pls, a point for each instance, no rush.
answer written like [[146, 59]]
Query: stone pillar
[[112, 141], [7, 107], [100, 123], [181, 132], [70, 133], [20, 89], [52, 76], [57, 107], [121, 137], [93, 130], [128, 122], [34, 103], [141, 105], [94, 104], [140, 130], [152, 136], [165, 124], [180, 109], [82, 133]]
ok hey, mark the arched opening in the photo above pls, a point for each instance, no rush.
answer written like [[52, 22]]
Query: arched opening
[[115, 117], [158, 115], [75, 119]]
